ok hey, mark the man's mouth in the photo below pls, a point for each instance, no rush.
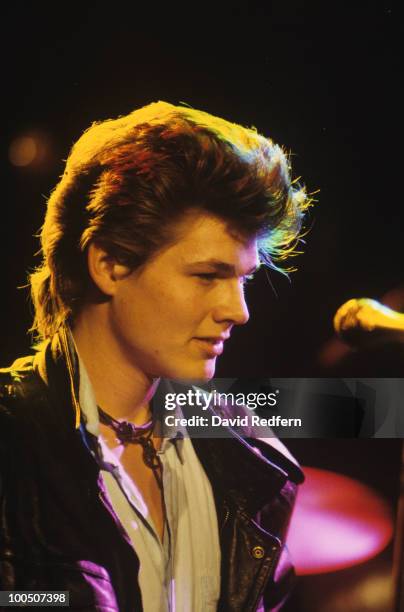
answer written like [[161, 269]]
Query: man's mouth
[[212, 346]]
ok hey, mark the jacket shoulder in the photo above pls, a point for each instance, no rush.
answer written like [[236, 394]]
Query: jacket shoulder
[[263, 441], [17, 370], [16, 380]]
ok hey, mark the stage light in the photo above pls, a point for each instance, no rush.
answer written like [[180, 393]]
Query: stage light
[[338, 522], [32, 150], [23, 151]]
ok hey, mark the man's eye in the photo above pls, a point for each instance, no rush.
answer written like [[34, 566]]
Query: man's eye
[[207, 275]]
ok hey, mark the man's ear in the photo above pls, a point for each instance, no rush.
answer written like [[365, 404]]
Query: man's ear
[[104, 271]]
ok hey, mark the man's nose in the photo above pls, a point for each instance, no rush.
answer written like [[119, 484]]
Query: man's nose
[[232, 306]]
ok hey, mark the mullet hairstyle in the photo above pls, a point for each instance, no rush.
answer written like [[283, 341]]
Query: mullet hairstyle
[[128, 180]]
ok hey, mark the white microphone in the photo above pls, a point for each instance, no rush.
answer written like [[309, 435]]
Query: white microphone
[[367, 322]]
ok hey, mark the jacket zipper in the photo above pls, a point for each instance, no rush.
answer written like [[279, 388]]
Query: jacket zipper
[[226, 517]]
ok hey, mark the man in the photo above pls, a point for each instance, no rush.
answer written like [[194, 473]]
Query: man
[[157, 222]]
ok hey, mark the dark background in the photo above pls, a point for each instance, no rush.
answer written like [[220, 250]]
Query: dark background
[[320, 78]]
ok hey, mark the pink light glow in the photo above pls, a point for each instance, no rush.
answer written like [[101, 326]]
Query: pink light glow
[[338, 522]]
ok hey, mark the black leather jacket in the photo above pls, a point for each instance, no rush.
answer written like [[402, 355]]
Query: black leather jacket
[[58, 530]]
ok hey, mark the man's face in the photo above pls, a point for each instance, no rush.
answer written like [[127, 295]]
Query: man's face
[[172, 316]]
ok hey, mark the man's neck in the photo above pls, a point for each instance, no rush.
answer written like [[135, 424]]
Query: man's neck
[[120, 388]]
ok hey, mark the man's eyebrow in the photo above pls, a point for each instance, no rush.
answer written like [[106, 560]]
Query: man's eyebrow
[[221, 266]]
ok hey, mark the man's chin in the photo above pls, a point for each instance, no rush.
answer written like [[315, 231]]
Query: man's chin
[[208, 370], [198, 373]]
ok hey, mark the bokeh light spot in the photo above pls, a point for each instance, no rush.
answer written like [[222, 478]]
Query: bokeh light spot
[[23, 151], [338, 522]]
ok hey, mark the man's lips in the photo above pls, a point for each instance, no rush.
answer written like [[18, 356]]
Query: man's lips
[[212, 345]]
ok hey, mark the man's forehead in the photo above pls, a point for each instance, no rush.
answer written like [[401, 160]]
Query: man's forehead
[[202, 237]]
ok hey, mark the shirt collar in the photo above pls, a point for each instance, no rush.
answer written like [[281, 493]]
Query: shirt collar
[[89, 407]]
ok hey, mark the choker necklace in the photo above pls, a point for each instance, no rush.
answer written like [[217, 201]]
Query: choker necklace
[[128, 433]]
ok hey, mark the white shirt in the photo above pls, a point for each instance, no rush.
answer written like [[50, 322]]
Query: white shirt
[[182, 573]]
